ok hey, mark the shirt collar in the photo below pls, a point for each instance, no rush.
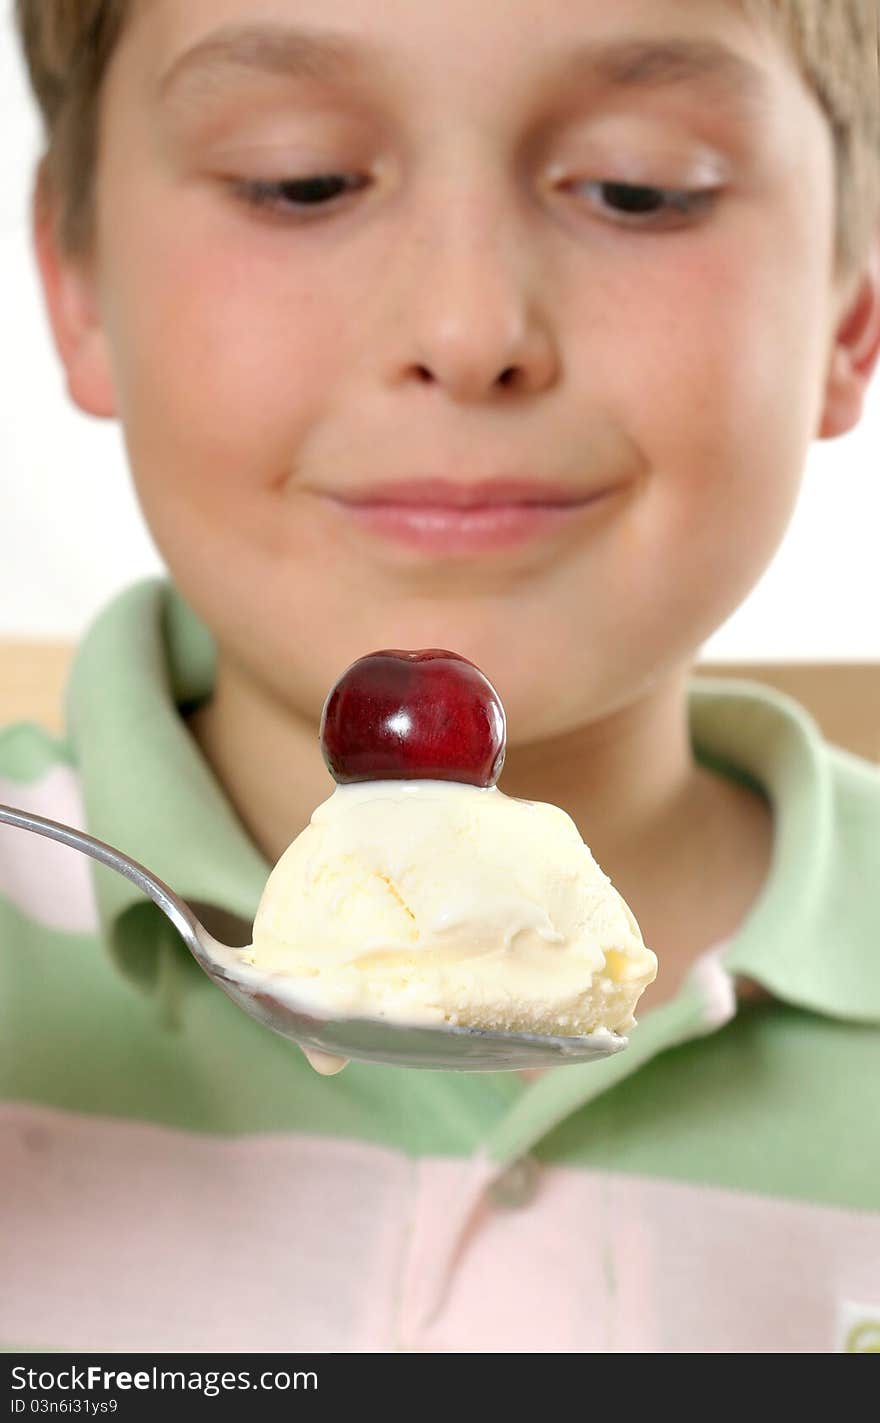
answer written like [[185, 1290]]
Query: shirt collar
[[813, 935], [148, 659], [147, 788]]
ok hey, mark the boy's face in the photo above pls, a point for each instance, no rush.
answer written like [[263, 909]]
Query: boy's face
[[482, 303]]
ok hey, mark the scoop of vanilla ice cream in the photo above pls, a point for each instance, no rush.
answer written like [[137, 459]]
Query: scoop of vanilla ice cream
[[438, 902]]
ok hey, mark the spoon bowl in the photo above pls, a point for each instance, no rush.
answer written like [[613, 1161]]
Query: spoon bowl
[[272, 998]]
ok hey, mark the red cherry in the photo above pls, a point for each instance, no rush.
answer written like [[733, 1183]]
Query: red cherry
[[428, 715]]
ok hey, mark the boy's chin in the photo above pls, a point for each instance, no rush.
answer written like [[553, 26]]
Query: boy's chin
[[550, 687]]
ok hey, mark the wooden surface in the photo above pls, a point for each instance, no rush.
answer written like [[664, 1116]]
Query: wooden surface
[[843, 697], [32, 677]]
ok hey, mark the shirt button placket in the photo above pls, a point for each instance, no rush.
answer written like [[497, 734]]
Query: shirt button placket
[[517, 1185]]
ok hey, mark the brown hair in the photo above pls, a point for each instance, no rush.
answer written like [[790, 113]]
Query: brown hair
[[68, 45], [837, 47]]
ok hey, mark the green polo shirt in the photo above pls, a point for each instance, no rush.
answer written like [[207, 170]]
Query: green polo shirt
[[716, 1187]]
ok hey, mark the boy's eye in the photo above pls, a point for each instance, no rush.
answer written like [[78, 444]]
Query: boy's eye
[[630, 204], [292, 194], [641, 205]]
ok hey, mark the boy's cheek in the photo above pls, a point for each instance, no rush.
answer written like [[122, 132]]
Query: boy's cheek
[[201, 321], [211, 394]]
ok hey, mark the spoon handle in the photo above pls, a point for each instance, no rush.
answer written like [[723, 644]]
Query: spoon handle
[[180, 914]]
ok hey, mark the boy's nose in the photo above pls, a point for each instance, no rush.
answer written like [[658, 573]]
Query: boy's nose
[[472, 321]]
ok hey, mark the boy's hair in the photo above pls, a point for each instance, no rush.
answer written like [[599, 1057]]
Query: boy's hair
[[69, 43]]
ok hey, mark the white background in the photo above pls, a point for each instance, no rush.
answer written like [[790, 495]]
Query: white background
[[71, 532]]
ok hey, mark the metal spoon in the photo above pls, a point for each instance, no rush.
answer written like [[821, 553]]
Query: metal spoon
[[268, 998]]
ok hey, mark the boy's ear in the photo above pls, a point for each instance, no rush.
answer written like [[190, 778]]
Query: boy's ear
[[69, 290], [854, 353]]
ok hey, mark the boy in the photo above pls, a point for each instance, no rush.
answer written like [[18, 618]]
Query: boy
[[504, 329]]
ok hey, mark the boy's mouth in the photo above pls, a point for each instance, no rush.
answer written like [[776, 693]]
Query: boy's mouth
[[439, 516]]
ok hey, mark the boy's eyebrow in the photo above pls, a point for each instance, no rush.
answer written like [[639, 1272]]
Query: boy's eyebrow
[[274, 49], [667, 61], [628, 62]]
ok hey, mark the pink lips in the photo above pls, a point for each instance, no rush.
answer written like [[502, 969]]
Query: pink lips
[[443, 517]]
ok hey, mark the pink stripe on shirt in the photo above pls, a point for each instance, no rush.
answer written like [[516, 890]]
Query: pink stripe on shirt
[[120, 1235], [49, 882]]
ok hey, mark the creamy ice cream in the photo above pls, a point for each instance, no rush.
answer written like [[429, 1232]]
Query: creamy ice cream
[[432, 902]]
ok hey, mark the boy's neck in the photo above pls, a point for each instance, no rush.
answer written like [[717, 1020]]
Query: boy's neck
[[688, 850]]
